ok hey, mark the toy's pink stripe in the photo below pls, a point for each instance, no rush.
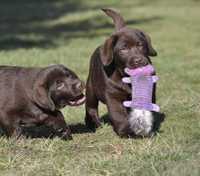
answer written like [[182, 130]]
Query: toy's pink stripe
[[146, 70]]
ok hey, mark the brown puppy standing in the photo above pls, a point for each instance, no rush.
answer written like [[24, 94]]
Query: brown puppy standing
[[125, 48], [31, 97]]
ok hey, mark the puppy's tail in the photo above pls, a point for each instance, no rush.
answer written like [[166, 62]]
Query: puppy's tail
[[117, 18]]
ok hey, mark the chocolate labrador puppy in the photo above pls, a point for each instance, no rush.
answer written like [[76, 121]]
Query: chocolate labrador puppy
[[124, 48], [33, 96]]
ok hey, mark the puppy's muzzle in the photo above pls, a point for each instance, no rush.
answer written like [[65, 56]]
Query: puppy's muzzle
[[137, 61]]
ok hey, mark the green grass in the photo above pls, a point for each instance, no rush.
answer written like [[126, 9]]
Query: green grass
[[42, 32]]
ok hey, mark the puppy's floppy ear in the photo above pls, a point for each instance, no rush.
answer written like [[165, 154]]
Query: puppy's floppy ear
[[151, 51], [41, 94], [106, 50]]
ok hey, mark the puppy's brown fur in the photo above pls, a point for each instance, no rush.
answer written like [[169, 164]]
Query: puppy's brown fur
[[33, 96]]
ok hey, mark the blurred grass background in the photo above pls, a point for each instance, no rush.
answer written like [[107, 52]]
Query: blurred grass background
[[43, 32]]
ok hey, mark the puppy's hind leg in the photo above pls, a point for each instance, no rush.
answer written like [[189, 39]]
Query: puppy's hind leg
[[12, 129]]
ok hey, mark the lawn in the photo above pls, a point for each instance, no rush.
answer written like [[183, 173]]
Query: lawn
[[43, 32]]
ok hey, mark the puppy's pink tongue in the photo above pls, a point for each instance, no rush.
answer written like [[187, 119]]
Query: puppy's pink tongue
[[81, 101]]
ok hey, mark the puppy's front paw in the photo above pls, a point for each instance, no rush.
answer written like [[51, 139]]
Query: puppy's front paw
[[91, 124], [64, 134]]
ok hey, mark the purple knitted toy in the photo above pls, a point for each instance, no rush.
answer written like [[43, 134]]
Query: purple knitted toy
[[142, 87]]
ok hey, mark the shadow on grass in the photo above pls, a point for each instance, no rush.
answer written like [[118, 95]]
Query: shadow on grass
[[24, 23], [79, 128], [33, 132], [47, 132], [159, 118]]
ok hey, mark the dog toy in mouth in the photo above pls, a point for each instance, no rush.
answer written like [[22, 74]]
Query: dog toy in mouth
[[142, 82]]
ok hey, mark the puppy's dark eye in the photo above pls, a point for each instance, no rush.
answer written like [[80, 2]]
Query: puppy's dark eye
[[124, 48], [59, 84], [139, 44]]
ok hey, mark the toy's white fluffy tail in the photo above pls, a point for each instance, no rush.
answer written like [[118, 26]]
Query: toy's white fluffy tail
[[141, 122]]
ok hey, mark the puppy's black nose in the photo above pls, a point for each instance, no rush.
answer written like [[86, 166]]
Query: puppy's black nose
[[138, 61]]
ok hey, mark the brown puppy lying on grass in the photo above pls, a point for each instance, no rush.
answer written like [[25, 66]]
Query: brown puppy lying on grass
[[32, 97], [124, 48]]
